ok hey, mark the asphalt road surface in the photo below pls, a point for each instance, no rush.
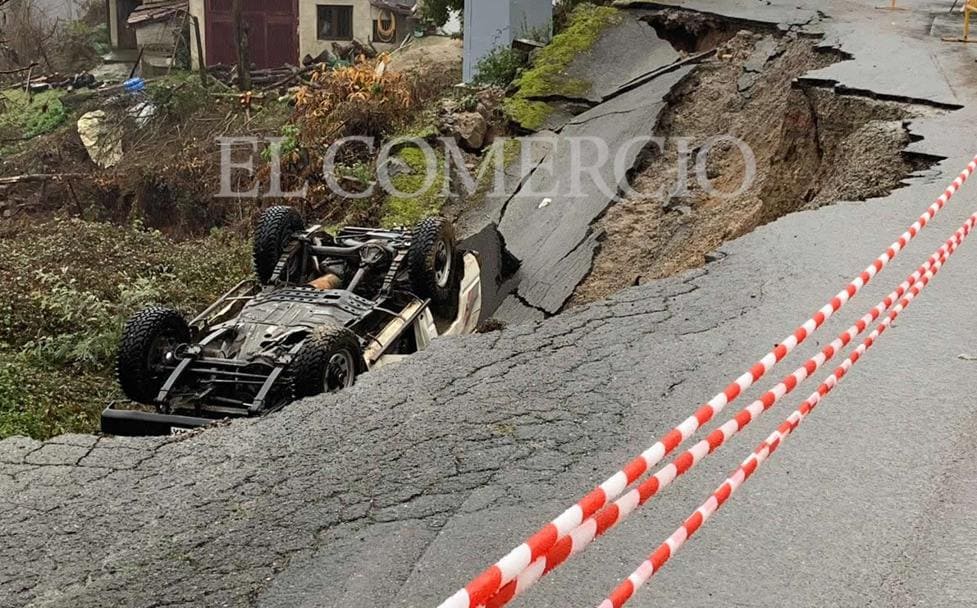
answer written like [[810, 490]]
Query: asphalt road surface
[[398, 491]]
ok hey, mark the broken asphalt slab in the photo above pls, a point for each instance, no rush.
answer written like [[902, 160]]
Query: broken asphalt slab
[[555, 242], [783, 13], [916, 79], [623, 54]]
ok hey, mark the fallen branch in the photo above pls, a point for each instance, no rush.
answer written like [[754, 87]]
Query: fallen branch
[[38, 177], [18, 70]]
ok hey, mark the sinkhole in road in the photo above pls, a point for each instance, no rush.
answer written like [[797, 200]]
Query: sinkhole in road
[[813, 146]]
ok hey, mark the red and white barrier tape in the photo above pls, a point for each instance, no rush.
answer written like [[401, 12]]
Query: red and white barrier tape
[[597, 525], [488, 583], [666, 550]]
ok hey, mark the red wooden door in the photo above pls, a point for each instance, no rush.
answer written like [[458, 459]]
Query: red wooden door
[[272, 32]]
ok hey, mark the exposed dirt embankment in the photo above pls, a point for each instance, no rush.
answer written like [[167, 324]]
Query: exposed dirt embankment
[[812, 147]]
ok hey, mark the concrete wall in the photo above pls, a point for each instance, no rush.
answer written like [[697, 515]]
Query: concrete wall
[[114, 23], [197, 10], [532, 18], [495, 23], [487, 26]]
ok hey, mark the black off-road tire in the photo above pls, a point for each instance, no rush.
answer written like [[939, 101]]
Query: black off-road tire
[[432, 246], [138, 375], [310, 373], [271, 236]]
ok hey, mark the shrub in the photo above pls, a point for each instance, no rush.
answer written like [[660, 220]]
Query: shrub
[[363, 99], [500, 67], [41, 402], [71, 284], [438, 11]]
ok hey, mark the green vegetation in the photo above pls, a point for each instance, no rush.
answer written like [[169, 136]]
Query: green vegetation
[[70, 285], [420, 202], [530, 114], [41, 402], [438, 11], [548, 77], [24, 117], [500, 67], [90, 41]]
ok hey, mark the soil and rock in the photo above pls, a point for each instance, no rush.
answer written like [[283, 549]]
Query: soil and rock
[[811, 145]]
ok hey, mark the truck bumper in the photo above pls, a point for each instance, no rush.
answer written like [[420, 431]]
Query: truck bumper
[[128, 423]]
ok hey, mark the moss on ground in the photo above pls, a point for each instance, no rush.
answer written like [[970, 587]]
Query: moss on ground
[[548, 76], [24, 117], [529, 114], [421, 200]]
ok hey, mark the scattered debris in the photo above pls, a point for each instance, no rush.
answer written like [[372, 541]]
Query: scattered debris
[[266, 78], [83, 80], [766, 49], [470, 129], [104, 149]]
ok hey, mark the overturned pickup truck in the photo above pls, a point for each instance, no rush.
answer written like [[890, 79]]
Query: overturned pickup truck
[[322, 310]]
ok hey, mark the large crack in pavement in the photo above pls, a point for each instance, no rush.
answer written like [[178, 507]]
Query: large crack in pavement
[[554, 242], [234, 505], [581, 239], [397, 491]]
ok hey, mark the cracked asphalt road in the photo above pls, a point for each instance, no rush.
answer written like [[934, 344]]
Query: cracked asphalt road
[[397, 491]]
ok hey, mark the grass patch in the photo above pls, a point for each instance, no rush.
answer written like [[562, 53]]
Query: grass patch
[[548, 77], [23, 117], [511, 151], [41, 402], [69, 287], [419, 201]]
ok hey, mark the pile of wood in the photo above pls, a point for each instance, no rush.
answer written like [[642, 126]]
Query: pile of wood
[[265, 79], [286, 76]]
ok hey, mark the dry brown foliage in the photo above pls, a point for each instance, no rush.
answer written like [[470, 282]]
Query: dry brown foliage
[[363, 99]]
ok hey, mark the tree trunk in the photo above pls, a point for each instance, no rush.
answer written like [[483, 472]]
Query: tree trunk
[[243, 54]]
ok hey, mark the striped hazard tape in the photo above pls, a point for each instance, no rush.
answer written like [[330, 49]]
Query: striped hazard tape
[[615, 513], [486, 585], [626, 590]]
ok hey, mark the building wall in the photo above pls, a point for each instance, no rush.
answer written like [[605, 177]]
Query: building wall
[[532, 18], [363, 16], [114, 23], [309, 44], [489, 25], [197, 10]]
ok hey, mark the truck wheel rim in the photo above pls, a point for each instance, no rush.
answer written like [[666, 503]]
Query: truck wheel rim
[[158, 350], [442, 264], [340, 372]]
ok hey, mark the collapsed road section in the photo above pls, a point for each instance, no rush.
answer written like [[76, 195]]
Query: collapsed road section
[[395, 492], [582, 226]]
